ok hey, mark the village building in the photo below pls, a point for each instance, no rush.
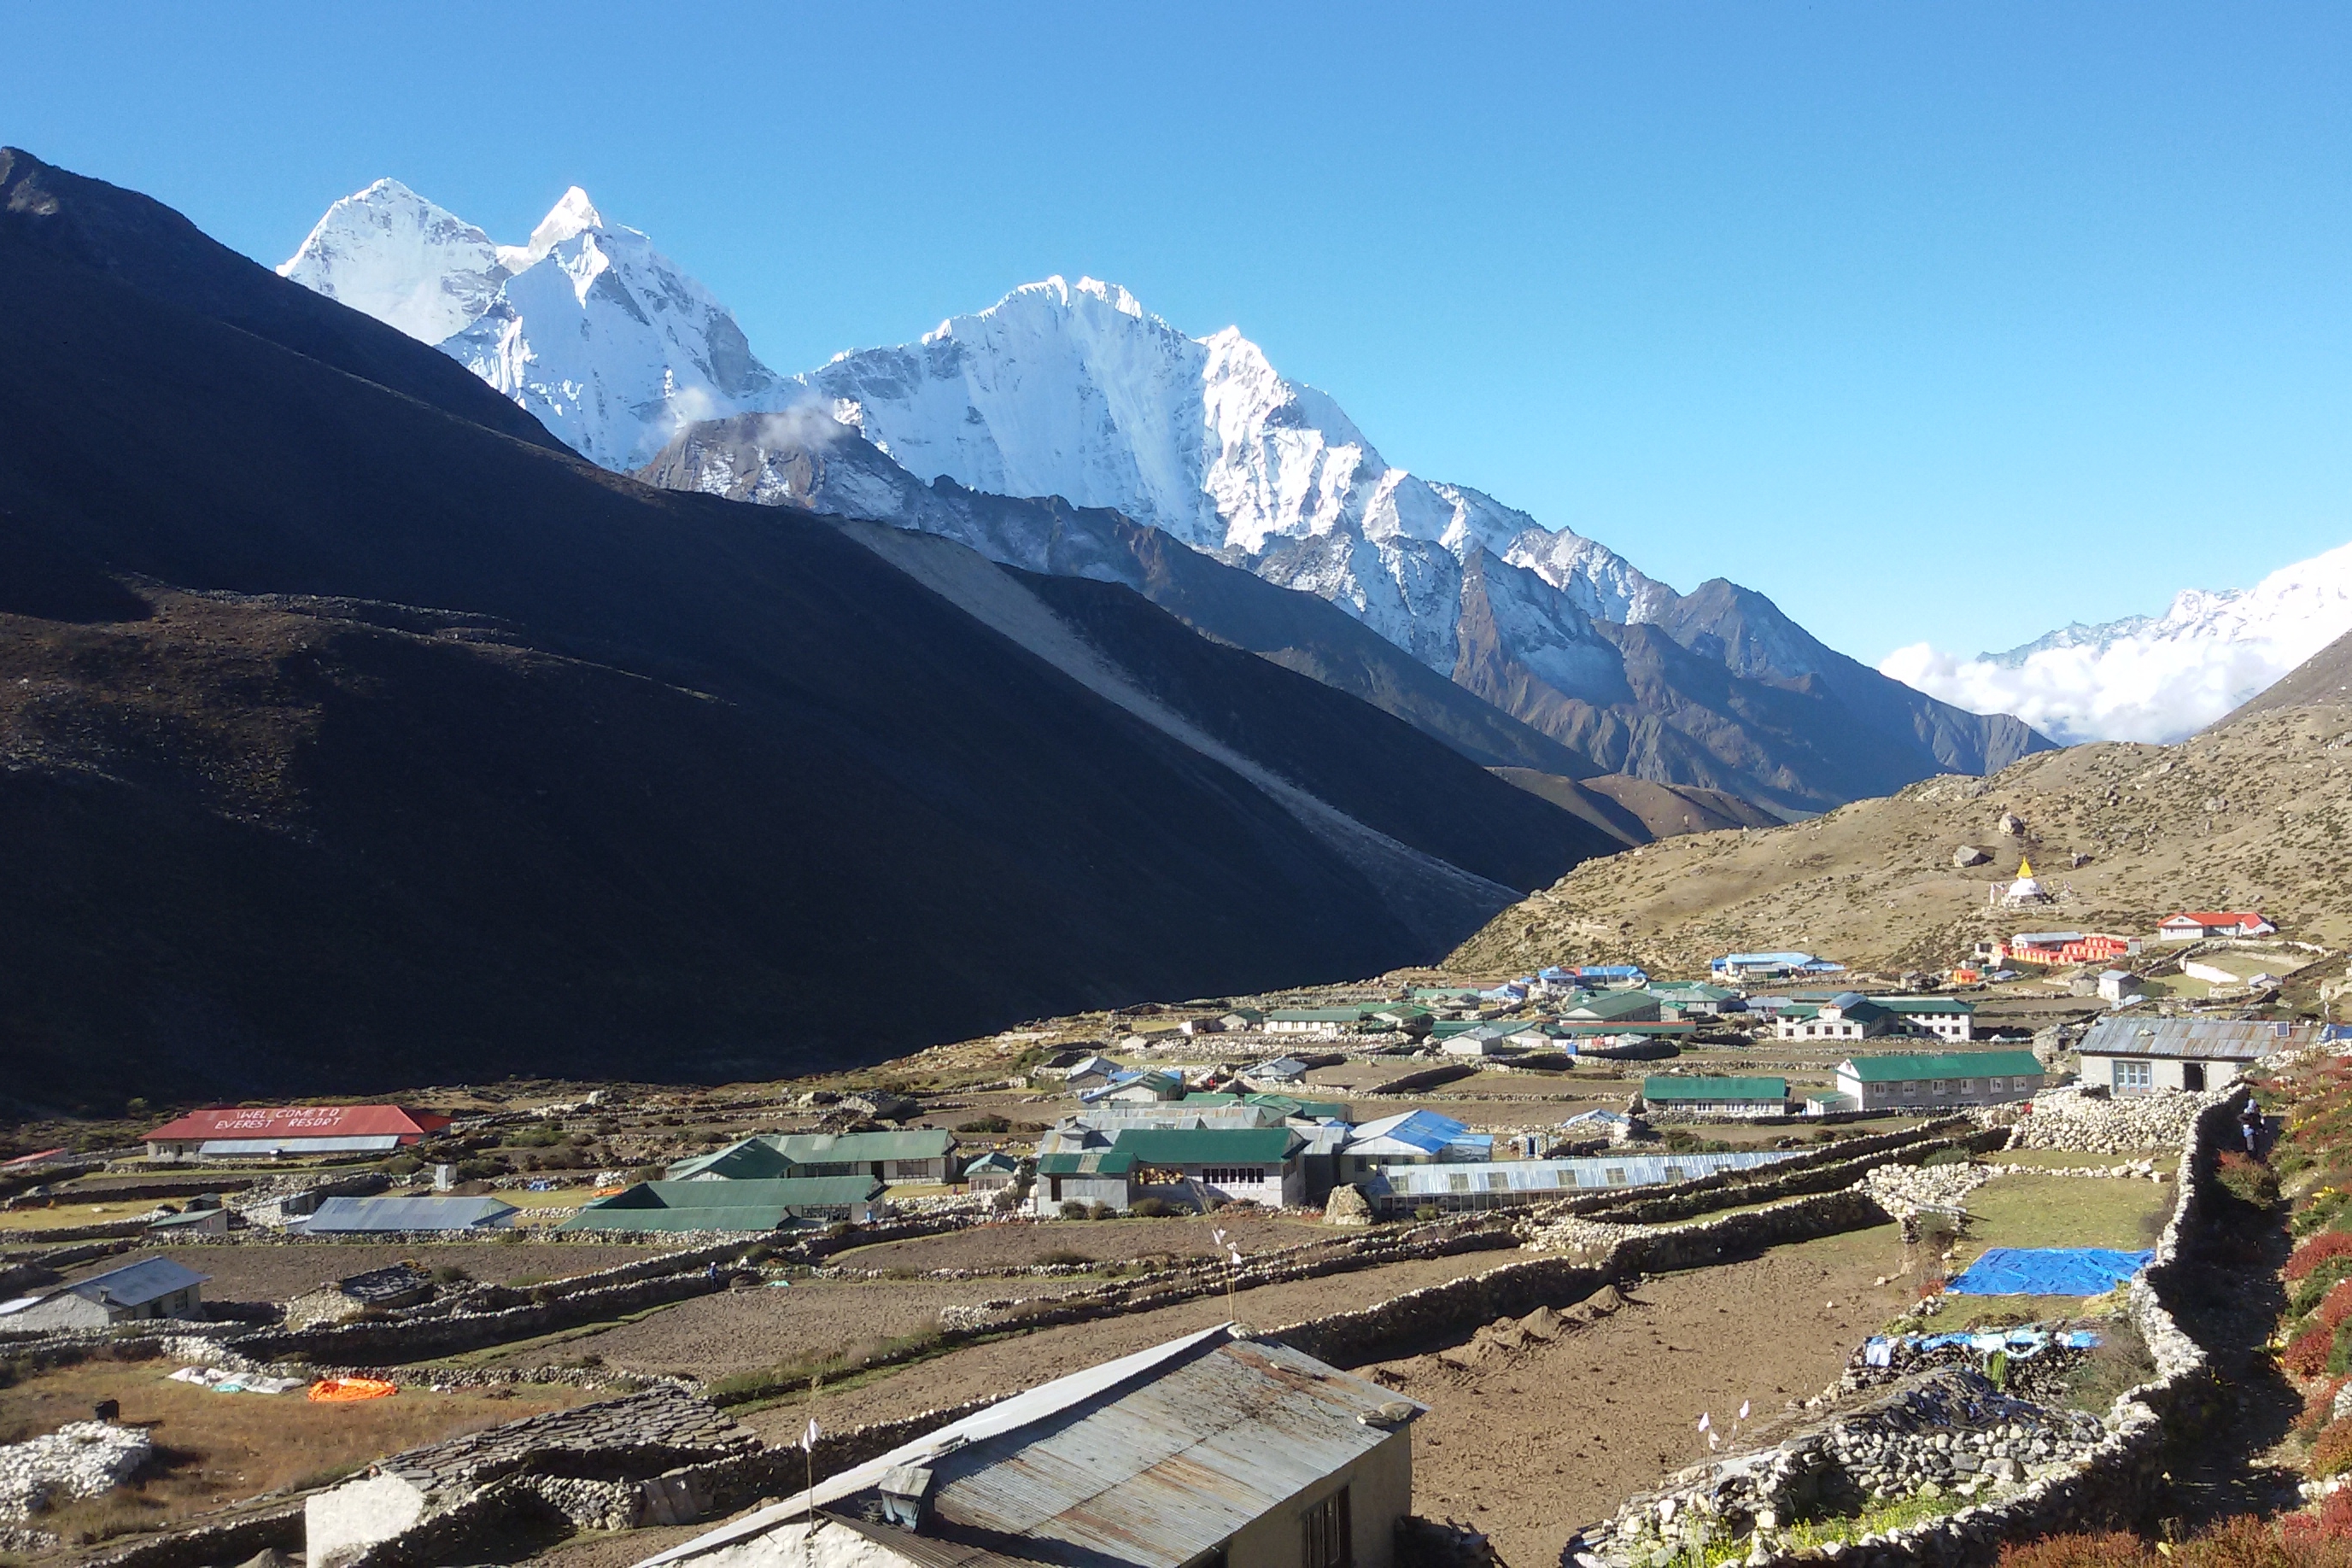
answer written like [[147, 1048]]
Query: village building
[[1513, 1184], [1680, 1095], [1848, 1016], [2196, 925], [921, 1155], [270, 1133], [205, 1216], [1482, 1040], [1407, 1018], [400, 1215], [1091, 1072], [1284, 1071], [1138, 1086], [1693, 999], [992, 1172], [2120, 985], [1211, 1449], [1735, 966], [1945, 1018], [1319, 1022], [1935, 1080], [1189, 1167], [2134, 1054], [1409, 1138], [151, 1288], [1612, 1007], [734, 1205]]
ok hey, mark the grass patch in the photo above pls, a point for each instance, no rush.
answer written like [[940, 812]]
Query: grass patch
[[2070, 1211], [827, 1369]]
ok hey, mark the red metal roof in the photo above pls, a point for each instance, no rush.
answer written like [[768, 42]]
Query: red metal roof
[[2217, 918], [302, 1122]]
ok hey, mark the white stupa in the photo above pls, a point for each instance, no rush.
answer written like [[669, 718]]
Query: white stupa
[[2025, 889]]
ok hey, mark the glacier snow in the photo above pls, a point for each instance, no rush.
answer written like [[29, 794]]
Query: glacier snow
[[2150, 678]]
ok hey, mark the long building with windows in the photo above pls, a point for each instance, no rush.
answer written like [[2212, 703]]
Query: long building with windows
[[1932, 1080]]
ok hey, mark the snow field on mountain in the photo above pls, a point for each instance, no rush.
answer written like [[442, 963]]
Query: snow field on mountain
[[2153, 679]]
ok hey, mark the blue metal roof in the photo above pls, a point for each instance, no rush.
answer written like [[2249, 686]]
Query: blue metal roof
[[1425, 1131]]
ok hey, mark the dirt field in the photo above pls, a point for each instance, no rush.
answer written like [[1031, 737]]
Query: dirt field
[[278, 1270], [219, 1449], [748, 1331], [1021, 1243], [1529, 1446], [1003, 1366]]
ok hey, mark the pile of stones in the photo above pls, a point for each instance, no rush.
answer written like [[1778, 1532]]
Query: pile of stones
[[82, 1458], [2069, 1119], [1903, 1191], [1946, 1432]]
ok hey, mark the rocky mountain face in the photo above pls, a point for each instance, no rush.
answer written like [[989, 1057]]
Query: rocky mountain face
[[2249, 814], [351, 742], [1074, 391], [2153, 678]]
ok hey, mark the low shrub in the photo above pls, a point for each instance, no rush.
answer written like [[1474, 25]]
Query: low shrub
[[991, 1124], [1073, 1208], [1150, 1208], [2316, 1285], [2115, 1549], [1946, 1157], [2306, 1354], [2247, 1179], [2331, 1451], [1062, 1258], [2319, 1249]]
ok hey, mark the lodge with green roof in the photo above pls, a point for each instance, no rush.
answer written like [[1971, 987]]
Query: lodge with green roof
[[1185, 1167], [916, 1154], [1686, 1094], [1934, 1080], [743, 1206]]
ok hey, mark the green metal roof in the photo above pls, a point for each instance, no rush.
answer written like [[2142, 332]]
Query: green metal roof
[[785, 1191], [764, 1216], [1291, 1105], [1613, 1004], [1657, 1088], [1925, 1004], [1896, 1068], [774, 1154], [1086, 1162], [1206, 1145], [1316, 1014]]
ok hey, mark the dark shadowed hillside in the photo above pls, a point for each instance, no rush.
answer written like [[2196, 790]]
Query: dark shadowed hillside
[[352, 740]]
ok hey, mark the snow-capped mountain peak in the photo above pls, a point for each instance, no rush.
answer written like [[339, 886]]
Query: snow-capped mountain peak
[[2151, 677], [574, 215], [401, 258]]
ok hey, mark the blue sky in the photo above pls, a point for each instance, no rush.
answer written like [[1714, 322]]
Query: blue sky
[[1929, 320]]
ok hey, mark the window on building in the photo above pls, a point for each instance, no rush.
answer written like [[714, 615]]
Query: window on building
[[1674, 1174], [1911, 1086], [1328, 1530], [1497, 1181], [1459, 1182], [1616, 1175], [1996, 1086], [2135, 1075]]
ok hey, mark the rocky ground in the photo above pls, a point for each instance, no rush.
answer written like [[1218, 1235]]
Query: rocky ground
[[2253, 815]]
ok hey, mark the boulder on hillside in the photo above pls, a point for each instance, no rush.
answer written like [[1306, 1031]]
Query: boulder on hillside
[[1346, 1205], [2010, 824], [1969, 855]]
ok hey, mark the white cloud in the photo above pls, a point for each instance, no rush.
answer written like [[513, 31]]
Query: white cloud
[[2155, 679]]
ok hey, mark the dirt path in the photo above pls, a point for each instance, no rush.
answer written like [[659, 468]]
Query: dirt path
[[1528, 1447], [1005, 1366]]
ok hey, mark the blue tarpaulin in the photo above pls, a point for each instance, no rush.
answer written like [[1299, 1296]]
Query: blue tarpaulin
[[2049, 1271]]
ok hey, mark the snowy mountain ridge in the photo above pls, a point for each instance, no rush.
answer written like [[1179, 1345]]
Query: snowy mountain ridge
[[608, 343], [2151, 677], [1075, 391]]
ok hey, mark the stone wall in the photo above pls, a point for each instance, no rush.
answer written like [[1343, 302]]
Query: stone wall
[[2113, 1480], [394, 1340]]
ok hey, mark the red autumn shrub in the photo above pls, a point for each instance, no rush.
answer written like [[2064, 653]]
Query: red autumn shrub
[[2316, 1251], [2331, 1451], [2333, 1307], [2332, 1523], [2114, 1549], [2306, 1354]]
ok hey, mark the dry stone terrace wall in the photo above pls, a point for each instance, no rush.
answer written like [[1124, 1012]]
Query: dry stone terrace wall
[[2113, 1479]]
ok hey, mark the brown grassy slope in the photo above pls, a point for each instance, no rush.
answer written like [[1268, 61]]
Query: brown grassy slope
[[2254, 815]]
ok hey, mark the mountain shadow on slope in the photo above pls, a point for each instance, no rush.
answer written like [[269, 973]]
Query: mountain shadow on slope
[[2324, 677], [434, 753], [1373, 766]]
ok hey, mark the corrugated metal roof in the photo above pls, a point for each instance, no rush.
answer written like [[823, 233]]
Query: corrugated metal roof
[[1206, 1145], [136, 1284], [2212, 1039], [745, 1218], [783, 1191], [1714, 1089], [1411, 1132], [1902, 1066], [408, 1214], [1549, 1175], [1086, 1162], [301, 1121], [1919, 1005]]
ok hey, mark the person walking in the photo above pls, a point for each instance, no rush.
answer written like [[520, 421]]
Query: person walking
[[2250, 1122]]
